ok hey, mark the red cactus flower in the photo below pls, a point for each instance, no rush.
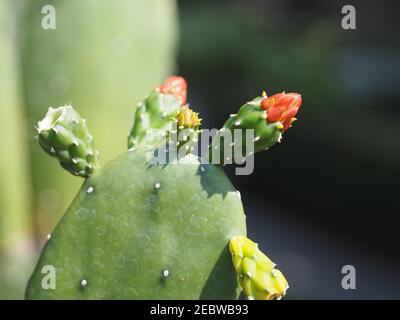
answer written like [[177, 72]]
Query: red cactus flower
[[176, 86], [282, 107]]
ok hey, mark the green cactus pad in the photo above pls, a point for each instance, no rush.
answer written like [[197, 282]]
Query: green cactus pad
[[257, 275], [141, 231], [64, 135]]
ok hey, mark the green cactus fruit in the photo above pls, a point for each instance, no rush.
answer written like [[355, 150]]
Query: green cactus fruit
[[256, 274], [156, 116], [136, 231], [64, 135], [267, 117], [252, 116], [164, 118]]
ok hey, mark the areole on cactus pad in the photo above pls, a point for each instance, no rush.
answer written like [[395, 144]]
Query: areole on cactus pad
[[139, 230]]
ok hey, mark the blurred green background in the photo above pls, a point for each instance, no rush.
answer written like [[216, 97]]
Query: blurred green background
[[102, 58], [325, 198]]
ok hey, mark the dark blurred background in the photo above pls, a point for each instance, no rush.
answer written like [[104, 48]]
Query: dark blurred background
[[327, 196], [324, 198]]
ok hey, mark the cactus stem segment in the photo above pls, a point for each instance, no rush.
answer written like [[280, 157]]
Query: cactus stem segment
[[268, 117], [155, 115], [64, 137], [256, 274]]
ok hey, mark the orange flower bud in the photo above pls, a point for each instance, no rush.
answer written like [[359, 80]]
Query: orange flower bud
[[176, 86], [282, 107]]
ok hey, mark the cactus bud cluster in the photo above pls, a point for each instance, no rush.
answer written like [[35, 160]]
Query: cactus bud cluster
[[64, 135]]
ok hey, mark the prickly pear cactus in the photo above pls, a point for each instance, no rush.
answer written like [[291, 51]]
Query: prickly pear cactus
[[139, 229]]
